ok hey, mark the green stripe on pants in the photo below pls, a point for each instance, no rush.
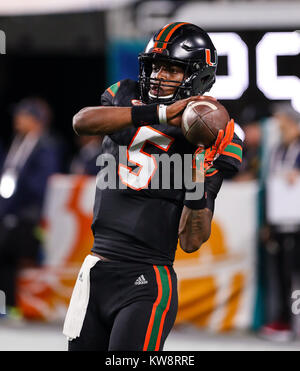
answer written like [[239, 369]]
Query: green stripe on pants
[[162, 305]]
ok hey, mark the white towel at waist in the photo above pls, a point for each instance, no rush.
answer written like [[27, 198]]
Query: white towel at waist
[[79, 300]]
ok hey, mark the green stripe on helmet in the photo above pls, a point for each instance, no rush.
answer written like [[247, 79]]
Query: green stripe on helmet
[[165, 34]]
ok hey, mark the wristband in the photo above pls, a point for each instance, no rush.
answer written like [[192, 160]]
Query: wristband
[[197, 204], [210, 202], [212, 186], [206, 202], [144, 115], [162, 114]]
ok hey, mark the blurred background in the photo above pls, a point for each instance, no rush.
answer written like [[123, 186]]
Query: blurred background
[[239, 292]]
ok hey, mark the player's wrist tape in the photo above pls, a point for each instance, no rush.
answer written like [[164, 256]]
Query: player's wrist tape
[[162, 114], [144, 115]]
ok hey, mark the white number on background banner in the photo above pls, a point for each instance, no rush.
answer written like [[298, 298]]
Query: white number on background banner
[[147, 164], [236, 82], [272, 45]]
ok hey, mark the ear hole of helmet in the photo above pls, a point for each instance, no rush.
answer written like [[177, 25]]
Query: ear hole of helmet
[[202, 82]]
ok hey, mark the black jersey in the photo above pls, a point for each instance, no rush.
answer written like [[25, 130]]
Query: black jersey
[[133, 221]]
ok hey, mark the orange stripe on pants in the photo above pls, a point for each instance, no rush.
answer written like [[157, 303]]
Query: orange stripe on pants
[[158, 299]]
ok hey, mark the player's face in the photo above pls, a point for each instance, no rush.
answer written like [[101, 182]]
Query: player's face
[[165, 71], [25, 123]]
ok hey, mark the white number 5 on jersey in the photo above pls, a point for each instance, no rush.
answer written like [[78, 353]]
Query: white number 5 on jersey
[[147, 164]]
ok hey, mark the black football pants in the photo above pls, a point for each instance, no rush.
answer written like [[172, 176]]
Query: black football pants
[[131, 307]]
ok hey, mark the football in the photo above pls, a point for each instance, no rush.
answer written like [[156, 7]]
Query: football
[[202, 120]]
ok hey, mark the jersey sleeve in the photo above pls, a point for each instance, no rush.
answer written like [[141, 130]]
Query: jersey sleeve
[[229, 162], [107, 98], [224, 167], [121, 94]]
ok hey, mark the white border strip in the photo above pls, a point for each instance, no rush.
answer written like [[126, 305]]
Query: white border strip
[[32, 7], [229, 15], [241, 15]]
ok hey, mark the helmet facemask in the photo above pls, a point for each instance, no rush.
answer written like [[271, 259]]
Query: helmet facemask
[[197, 79], [147, 82]]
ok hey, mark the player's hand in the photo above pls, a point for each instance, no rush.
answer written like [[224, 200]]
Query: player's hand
[[222, 141], [175, 110]]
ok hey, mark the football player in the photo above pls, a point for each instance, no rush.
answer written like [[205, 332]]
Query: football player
[[125, 297]]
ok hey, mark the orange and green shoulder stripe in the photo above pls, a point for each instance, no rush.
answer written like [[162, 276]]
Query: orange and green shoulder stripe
[[112, 90], [234, 150]]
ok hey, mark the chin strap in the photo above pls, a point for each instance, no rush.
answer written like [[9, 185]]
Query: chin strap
[[166, 97]]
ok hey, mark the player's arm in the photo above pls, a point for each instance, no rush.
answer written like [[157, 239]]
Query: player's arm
[[196, 217], [194, 228], [195, 222], [102, 120]]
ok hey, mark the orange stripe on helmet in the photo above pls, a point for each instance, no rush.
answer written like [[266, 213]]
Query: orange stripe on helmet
[[171, 33], [161, 32]]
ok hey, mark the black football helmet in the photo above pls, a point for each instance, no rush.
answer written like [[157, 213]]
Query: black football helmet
[[185, 45]]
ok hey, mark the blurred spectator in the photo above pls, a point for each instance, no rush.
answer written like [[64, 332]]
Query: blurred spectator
[[250, 167], [32, 157], [85, 161], [283, 235]]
